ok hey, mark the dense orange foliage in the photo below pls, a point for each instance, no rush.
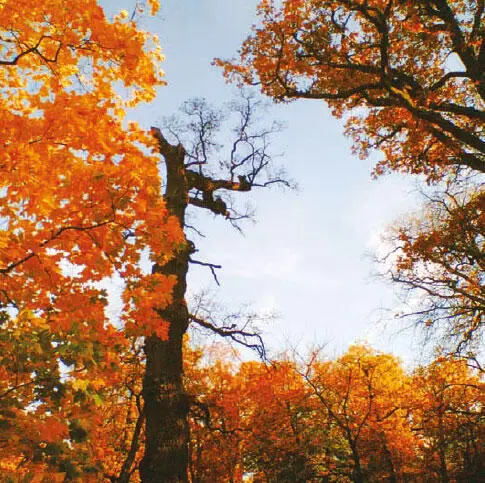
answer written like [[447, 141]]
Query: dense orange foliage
[[358, 417], [407, 75], [80, 199], [286, 421]]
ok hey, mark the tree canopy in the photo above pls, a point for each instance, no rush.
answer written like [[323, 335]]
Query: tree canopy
[[407, 76], [87, 397], [437, 260], [80, 200]]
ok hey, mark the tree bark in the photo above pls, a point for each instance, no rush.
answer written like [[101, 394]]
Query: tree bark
[[166, 407], [441, 449], [357, 474]]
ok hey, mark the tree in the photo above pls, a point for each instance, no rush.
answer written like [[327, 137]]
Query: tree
[[447, 414], [80, 198], [287, 421], [254, 419], [216, 433], [361, 396], [438, 260], [279, 441], [407, 75], [194, 179]]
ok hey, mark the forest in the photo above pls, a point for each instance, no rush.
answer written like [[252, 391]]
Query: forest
[[89, 195]]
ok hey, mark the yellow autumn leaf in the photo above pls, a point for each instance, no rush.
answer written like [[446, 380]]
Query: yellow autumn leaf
[[80, 384], [4, 239]]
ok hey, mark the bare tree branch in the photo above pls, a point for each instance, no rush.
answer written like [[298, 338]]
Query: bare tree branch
[[240, 336], [211, 266]]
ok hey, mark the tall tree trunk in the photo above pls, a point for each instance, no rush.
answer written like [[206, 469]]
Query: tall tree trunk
[[444, 477], [357, 474], [388, 458], [166, 404]]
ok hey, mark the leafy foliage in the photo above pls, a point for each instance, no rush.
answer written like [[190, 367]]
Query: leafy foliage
[[358, 417], [407, 75], [438, 261], [79, 200]]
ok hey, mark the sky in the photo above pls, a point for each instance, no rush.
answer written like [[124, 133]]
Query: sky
[[306, 257]]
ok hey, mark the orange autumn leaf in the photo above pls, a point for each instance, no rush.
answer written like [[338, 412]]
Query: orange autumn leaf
[[406, 76], [80, 200]]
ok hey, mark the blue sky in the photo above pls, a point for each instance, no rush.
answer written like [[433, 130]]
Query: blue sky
[[305, 256]]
